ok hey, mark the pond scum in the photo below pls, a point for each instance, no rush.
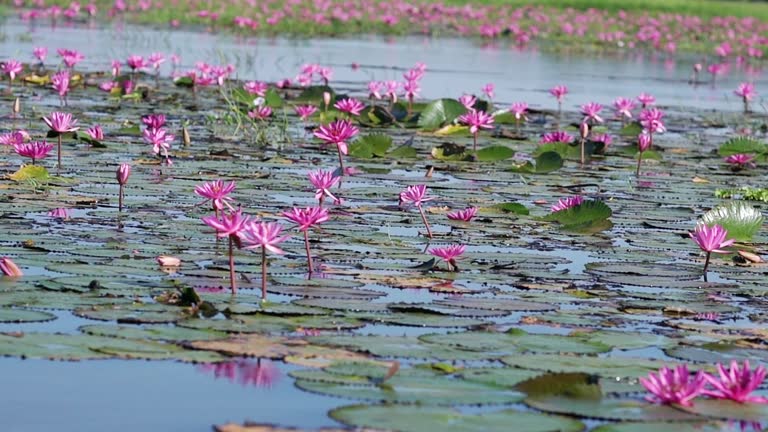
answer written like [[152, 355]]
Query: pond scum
[[549, 269]]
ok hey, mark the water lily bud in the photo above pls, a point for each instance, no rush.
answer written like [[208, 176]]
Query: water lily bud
[[584, 130], [9, 268], [185, 136], [123, 172], [168, 261], [16, 106], [644, 142], [326, 99]]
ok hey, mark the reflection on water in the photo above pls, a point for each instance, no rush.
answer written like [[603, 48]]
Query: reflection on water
[[130, 396], [455, 66], [246, 372]]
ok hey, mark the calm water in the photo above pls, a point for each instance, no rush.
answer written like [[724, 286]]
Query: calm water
[[123, 396], [454, 65]]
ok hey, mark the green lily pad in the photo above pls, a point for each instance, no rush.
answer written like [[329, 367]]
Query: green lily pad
[[407, 418], [741, 220], [24, 315]]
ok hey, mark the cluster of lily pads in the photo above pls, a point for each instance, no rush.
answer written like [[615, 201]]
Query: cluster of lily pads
[[637, 290]]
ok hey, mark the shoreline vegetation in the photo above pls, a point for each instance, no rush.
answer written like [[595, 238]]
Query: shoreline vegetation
[[666, 26]]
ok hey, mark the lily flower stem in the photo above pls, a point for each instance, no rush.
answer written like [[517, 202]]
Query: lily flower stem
[[309, 255], [341, 164], [232, 267], [639, 160], [120, 200], [706, 264], [424, 219], [582, 151], [263, 273], [474, 142], [59, 152]]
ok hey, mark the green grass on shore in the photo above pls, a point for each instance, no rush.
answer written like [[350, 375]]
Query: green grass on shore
[[701, 8]]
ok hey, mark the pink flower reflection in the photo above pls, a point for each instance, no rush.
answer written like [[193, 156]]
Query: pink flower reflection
[[246, 372]]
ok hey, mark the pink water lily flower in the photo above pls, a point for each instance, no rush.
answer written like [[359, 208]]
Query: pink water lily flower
[[468, 101], [559, 92], [35, 150], [70, 57], [217, 193], [740, 161], [465, 215], [623, 108], [449, 254], [40, 53], [12, 68], [338, 132], [96, 133], [60, 83], [646, 100], [258, 88], [136, 62], [160, 139], [711, 240], [306, 218], [59, 213], [488, 91], [591, 112], [519, 109], [746, 91], [350, 106], [737, 383], [264, 235], [374, 89], [121, 175], [674, 386], [476, 120], [556, 137], [61, 122], [9, 268], [417, 195], [305, 111], [153, 121], [644, 142], [260, 113], [651, 120], [568, 202], [13, 138], [230, 225], [323, 181]]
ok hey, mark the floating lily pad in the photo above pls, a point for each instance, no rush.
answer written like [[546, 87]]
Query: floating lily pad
[[24, 315], [408, 418]]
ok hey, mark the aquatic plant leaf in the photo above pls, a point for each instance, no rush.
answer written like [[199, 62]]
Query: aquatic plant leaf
[[515, 208], [569, 151], [500, 376], [24, 315], [375, 115], [403, 152], [723, 352], [452, 129], [399, 346], [572, 385], [582, 215], [450, 152], [164, 333], [740, 219], [608, 367], [314, 95], [494, 153], [742, 144], [414, 418], [413, 386], [440, 112], [609, 409], [744, 193], [256, 427], [631, 130], [661, 427], [82, 347], [516, 341], [544, 163], [370, 146], [273, 99], [30, 173], [729, 410]]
